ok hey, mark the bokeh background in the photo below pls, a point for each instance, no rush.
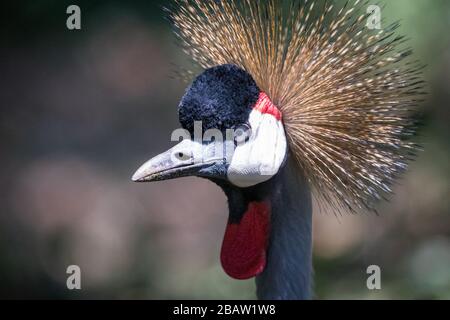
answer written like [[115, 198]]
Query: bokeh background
[[81, 110]]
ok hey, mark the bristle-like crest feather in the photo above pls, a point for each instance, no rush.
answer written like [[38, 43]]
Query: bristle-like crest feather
[[346, 92]]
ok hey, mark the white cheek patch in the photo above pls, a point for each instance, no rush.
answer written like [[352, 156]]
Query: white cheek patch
[[259, 159]]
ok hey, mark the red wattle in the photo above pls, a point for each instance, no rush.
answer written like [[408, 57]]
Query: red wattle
[[244, 246]]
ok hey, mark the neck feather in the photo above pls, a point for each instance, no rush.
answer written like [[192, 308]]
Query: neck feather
[[288, 271]]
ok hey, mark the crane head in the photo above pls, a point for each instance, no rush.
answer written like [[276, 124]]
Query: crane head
[[242, 139]]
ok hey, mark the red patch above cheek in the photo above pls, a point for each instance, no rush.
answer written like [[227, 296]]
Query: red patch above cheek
[[244, 247], [265, 106]]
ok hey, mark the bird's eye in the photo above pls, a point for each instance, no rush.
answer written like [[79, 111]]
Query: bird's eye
[[242, 133]]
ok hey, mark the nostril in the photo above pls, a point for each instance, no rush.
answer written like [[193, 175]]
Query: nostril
[[181, 156]]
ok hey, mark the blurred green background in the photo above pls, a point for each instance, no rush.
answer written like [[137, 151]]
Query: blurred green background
[[81, 110]]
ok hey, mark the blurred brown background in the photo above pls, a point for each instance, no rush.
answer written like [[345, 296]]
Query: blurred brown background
[[81, 110]]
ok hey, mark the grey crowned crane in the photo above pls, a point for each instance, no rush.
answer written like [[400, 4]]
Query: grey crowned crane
[[317, 105]]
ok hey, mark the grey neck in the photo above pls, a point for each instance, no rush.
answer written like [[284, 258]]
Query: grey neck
[[288, 273]]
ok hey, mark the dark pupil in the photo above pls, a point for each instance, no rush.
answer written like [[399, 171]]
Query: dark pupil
[[242, 133]]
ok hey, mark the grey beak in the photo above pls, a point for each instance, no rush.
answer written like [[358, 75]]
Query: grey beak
[[187, 158]]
